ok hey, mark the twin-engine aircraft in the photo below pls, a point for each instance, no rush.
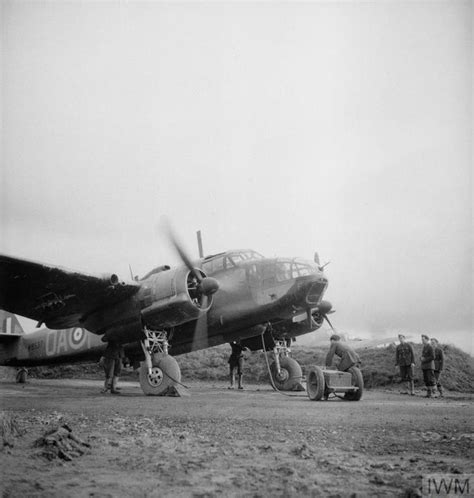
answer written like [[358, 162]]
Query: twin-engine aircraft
[[234, 295]]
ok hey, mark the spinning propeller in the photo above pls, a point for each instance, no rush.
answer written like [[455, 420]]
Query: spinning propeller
[[203, 287]]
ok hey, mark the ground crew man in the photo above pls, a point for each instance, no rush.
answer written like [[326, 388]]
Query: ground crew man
[[427, 365], [349, 358], [438, 364], [405, 360], [236, 361], [112, 364]]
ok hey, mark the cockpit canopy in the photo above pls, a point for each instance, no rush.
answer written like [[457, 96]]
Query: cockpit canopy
[[286, 269], [227, 260], [264, 269], [272, 272]]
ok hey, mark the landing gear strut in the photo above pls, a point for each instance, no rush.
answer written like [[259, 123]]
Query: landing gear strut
[[286, 372], [159, 371]]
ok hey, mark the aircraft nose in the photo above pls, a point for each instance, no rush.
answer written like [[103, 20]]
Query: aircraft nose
[[316, 291]]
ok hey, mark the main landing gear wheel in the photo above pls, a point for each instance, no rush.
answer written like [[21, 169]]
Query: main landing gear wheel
[[165, 374], [315, 383], [290, 376], [358, 381]]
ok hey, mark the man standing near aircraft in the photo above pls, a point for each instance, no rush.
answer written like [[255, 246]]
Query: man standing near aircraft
[[405, 360], [236, 361], [349, 358], [112, 363], [438, 364], [427, 365]]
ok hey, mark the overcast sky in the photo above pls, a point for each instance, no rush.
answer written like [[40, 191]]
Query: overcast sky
[[341, 127]]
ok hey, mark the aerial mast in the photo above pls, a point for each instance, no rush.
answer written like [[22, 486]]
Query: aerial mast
[[199, 239]]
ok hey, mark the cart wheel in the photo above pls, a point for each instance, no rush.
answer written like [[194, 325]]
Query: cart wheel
[[315, 383], [358, 381]]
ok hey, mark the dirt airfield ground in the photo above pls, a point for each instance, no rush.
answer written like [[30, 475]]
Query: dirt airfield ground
[[218, 442]]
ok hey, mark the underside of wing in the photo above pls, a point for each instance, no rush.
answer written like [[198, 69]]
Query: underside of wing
[[7, 338], [58, 297]]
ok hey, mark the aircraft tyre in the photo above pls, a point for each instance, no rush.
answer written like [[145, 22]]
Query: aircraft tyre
[[290, 376], [315, 383], [358, 381], [21, 376], [166, 374]]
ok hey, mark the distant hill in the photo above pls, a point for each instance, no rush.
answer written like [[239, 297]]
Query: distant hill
[[378, 369], [211, 364], [378, 365]]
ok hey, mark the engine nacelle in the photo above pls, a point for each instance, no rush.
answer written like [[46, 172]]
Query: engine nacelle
[[172, 297], [110, 278]]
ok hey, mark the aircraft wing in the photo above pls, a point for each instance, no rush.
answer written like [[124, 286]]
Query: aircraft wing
[[58, 297], [9, 337]]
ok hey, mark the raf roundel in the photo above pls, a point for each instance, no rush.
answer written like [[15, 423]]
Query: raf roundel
[[77, 337]]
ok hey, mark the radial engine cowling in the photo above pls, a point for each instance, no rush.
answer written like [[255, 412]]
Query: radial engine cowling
[[173, 297]]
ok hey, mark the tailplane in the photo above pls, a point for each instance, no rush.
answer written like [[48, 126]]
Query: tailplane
[[9, 325]]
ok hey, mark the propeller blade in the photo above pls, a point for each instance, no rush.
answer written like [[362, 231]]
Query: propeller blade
[[330, 324], [182, 253], [200, 338]]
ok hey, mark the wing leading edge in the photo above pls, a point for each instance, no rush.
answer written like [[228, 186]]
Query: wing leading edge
[[56, 296]]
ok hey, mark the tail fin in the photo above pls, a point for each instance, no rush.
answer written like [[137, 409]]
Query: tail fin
[[9, 324]]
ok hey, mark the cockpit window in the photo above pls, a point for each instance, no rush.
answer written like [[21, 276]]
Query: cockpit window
[[283, 271], [248, 255], [235, 258], [301, 270], [286, 270], [232, 259], [213, 265], [218, 264]]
